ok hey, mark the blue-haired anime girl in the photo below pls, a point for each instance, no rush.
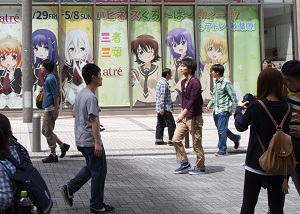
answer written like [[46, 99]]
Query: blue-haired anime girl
[[44, 46], [180, 44]]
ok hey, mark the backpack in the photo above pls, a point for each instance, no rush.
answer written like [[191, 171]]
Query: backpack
[[28, 178], [279, 158], [39, 100]]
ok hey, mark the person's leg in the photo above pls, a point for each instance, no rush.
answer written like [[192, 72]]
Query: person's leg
[[252, 186], [160, 125], [179, 134], [84, 174], [275, 194], [168, 116], [195, 126], [222, 126], [47, 130], [296, 179], [98, 168]]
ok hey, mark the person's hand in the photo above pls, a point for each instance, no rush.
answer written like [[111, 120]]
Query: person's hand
[[243, 104], [41, 88], [207, 108], [98, 149], [179, 118], [1, 90], [162, 111], [295, 131]]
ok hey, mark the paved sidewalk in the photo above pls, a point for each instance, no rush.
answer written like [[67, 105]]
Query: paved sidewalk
[[125, 135]]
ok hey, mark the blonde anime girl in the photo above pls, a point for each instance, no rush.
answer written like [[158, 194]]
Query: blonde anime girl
[[10, 73], [214, 51], [77, 53]]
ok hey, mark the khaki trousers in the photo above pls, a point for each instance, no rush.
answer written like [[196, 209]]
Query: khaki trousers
[[194, 125], [48, 127]]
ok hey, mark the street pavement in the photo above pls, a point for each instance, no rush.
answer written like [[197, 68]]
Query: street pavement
[[140, 175]]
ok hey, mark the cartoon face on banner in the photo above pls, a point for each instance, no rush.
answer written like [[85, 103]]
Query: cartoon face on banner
[[77, 53], [10, 72], [44, 45], [180, 45], [145, 50]]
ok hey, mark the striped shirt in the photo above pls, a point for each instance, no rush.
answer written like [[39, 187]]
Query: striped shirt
[[223, 96], [294, 101], [163, 96]]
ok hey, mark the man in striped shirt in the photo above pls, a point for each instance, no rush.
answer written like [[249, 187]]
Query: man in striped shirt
[[164, 109], [223, 100], [291, 75]]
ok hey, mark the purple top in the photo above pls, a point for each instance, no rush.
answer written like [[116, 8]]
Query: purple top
[[191, 97]]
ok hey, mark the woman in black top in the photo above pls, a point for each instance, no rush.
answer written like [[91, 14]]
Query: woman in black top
[[270, 90]]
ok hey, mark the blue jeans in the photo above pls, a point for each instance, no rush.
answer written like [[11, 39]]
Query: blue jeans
[[221, 122], [96, 169]]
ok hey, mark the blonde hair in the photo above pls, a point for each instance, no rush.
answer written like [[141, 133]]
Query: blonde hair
[[8, 46], [215, 40]]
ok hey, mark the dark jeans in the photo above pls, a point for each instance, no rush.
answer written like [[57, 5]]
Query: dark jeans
[[165, 120], [252, 185], [96, 169], [221, 122]]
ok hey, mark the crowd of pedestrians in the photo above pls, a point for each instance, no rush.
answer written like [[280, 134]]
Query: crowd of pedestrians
[[275, 89]]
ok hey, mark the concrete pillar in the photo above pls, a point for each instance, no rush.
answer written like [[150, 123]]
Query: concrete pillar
[[27, 60], [36, 133]]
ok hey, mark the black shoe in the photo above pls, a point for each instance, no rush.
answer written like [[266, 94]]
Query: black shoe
[[237, 143], [105, 209], [50, 159], [67, 195], [64, 150], [170, 143]]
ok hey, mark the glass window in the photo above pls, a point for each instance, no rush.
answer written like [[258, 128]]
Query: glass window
[[182, 1], [77, 1], [111, 0], [145, 42], [45, 1], [278, 1], [145, 0], [213, 1], [278, 32], [244, 1], [179, 43]]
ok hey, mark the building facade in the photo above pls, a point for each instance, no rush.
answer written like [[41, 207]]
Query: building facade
[[133, 40]]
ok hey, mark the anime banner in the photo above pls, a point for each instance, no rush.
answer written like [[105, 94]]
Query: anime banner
[[212, 29], [44, 44], [76, 49], [112, 55], [11, 57], [246, 55], [179, 43], [145, 44]]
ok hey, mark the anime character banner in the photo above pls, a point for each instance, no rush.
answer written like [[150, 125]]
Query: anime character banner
[[77, 50], [112, 55], [246, 63], [179, 41], [10, 57], [213, 42], [145, 46], [44, 44]]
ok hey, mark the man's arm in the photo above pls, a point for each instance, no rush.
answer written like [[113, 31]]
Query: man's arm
[[231, 93], [95, 128], [163, 98]]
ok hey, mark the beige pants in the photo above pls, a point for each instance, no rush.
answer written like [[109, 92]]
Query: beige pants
[[48, 127], [194, 125]]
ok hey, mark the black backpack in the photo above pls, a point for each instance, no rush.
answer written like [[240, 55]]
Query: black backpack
[[28, 178]]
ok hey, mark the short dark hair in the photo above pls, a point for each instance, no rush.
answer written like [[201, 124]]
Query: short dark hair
[[165, 72], [190, 63], [88, 71], [291, 68], [48, 64], [218, 68], [267, 60], [5, 135], [270, 81]]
